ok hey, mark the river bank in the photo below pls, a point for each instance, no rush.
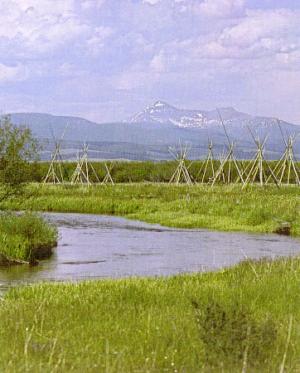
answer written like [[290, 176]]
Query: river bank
[[98, 246], [225, 208], [25, 238]]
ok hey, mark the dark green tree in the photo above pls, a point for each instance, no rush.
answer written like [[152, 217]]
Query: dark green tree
[[18, 149]]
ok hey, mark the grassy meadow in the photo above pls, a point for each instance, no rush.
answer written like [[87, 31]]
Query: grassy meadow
[[243, 319], [226, 208], [25, 238]]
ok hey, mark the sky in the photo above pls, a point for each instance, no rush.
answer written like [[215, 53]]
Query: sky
[[105, 60]]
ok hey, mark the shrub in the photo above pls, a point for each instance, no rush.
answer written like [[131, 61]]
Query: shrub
[[25, 237], [231, 334]]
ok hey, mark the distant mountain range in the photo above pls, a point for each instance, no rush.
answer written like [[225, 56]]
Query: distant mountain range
[[150, 133], [162, 112]]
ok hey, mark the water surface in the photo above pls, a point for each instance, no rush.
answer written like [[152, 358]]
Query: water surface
[[93, 246]]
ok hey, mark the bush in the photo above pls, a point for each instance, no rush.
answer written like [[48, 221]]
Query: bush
[[25, 237], [231, 335]]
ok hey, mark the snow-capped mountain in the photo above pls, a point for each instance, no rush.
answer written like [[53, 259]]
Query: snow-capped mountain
[[163, 113], [150, 133]]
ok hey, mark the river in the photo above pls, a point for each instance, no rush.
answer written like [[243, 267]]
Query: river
[[93, 246]]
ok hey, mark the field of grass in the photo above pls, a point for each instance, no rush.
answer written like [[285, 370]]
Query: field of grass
[[226, 208], [243, 319], [246, 317], [25, 237]]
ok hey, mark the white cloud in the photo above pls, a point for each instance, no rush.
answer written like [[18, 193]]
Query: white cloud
[[259, 35], [39, 25], [151, 2], [220, 8], [147, 46], [158, 63], [92, 4], [43, 7], [70, 70], [260, 24], [136, 77], [12, 73], [97, 41]]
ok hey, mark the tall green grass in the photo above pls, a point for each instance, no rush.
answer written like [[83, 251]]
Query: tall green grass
[[246, 317], [126, 172], [26, 237], [222, 207]]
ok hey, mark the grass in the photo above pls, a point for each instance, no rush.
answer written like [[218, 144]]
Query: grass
[[149, 171], [243, 319], [213, 322], [26, 237], [226, 208]]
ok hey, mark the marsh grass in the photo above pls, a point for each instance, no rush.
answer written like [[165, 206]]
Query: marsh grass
[[225, 208], [25, 237], [226, 321]]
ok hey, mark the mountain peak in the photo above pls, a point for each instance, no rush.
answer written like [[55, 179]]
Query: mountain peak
[[159, 112], [163, 113], [160, 104]]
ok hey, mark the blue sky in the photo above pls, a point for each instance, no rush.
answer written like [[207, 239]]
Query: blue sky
[[107, 59]]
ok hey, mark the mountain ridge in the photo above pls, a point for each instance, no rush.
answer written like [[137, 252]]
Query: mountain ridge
[[162, 112], [139, 138], [212, 116]]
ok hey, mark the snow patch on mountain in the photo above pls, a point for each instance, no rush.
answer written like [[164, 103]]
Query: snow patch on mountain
[[162, 112]]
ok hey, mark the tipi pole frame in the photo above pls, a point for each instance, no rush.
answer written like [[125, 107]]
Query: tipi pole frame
[[181, 172]]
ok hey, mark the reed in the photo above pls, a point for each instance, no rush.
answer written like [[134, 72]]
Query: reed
[[25, 238]]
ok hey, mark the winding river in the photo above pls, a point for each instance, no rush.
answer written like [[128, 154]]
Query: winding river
[[93, 246]]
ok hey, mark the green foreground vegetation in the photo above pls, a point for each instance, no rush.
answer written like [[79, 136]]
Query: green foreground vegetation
[[246, 317], [25, 238], [226, 208]]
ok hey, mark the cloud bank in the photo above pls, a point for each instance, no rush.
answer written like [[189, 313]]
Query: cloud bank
[[106, 59]]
